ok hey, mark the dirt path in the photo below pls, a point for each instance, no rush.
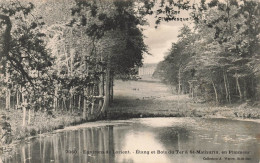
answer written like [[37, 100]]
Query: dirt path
[[146, 98]]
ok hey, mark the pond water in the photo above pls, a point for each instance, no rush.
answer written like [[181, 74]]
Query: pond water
[[151, 140]]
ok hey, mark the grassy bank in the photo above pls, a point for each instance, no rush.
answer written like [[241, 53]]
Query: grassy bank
[[154, 99], [41, 122], [123, 109]]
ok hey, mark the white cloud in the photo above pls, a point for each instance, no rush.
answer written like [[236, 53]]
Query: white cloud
[[159, 41]]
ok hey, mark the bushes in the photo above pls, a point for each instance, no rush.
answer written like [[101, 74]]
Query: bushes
[[41, 122]]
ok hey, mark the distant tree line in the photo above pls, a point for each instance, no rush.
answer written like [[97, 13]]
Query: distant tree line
[[218, 58]]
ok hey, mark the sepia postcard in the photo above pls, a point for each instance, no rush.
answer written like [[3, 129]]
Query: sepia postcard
[[129, 81]]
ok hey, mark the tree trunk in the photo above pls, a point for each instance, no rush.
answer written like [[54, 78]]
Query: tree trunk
[[101, 91], [215, 90], [101, 84], [24, 116], [93, 101], [8, 91], [179, 87], [111, 88], [179, 81], [55, 103], [238, 87], [29, 117], [245, 90], [86, 92], [190, 89], [17, 98], [64, 104], [8, 99], [226, 88], [71, 99], [106, 98], [85, 104], [79, 102], [24, 110]]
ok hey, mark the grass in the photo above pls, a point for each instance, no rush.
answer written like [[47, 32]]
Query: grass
[[132, 99], [154, 99], [41, 122]]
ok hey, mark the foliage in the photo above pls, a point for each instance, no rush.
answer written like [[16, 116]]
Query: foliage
[[25, 59], [114, 25], [68, 65], [222, 49]]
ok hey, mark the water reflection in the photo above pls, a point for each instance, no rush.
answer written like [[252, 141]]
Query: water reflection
[[80, 146], [136, 142]]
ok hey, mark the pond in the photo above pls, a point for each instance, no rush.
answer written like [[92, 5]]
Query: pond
[[158, 140]]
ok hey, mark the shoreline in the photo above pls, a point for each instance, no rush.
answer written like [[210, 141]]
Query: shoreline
[[7, 149], [132, 100], [129, 116]]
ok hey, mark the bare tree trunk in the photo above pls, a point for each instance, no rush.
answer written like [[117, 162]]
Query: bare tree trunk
[[226, 88], [101, 91], [179, 81], [215, 90], [86, 92], [238, 87], [85, 104], [29, 112], [8, 99], [64, 104], [93, 101], [29, 117], [106, 98], [245, 90], [24, 110], [79, 102], [71, 100], [17, 98], [8, 91], [111, 88], [101, 85], [55, 103], [192, 91]]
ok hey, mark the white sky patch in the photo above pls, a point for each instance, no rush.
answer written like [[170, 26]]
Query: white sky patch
[[159, 40]]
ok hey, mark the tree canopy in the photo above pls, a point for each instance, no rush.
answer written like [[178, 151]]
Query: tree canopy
[[221, 49]]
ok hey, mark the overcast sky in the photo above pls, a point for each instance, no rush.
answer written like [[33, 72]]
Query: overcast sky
[[160, 40]]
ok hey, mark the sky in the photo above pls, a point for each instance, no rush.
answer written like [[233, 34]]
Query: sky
[[159, 40]]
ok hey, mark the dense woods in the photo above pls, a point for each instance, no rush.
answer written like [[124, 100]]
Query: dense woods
[[67, 64], [218, 58], [59, 60], [63, 56]]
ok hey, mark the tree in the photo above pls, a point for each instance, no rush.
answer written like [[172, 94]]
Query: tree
[[223, 51], [111, 24], [23, 51]]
